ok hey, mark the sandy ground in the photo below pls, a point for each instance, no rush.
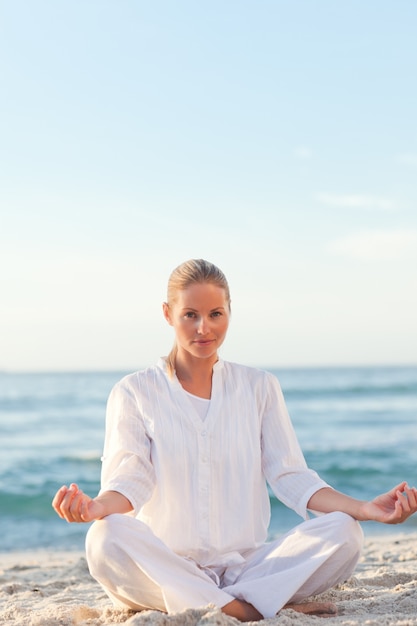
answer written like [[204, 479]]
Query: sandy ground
[[50, 588]]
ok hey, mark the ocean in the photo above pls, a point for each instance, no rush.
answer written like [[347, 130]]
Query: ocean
[[357, 427]]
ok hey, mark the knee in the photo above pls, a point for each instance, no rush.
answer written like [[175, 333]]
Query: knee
[[99, 545], [349, 530], [97, 534]]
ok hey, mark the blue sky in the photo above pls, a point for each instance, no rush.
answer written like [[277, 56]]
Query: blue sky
[[276, 139]]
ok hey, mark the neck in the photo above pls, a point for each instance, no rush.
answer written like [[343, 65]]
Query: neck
[[195, 375], [195, 369]]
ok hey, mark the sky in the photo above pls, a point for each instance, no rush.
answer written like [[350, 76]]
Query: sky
[[276, 139]]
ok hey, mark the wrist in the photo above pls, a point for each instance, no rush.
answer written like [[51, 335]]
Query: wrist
[[361, 513]]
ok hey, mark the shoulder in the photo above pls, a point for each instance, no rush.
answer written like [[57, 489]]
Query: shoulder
[[254, 376], [143, 379]]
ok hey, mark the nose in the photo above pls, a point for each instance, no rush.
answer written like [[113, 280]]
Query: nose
[[202, 326]]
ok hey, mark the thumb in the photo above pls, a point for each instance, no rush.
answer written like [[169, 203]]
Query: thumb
[[84, 510], [393, 492]]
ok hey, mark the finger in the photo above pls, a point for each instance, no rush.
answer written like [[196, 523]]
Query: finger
[[66, 503], [411, 493], [57, 501], [399, 487], [403, 498], [398, 513], [75, 506]]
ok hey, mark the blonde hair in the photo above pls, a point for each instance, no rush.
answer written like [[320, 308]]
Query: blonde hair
[[187, 274]]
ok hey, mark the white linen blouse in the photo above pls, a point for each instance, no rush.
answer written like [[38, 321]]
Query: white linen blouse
[[201, 486]]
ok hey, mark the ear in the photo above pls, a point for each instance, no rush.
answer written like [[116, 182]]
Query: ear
[[167, 313]]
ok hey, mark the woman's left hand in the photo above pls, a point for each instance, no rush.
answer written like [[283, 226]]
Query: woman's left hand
[[392, 507]]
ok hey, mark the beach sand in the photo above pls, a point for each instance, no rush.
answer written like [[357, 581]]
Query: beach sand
[[50, 588]]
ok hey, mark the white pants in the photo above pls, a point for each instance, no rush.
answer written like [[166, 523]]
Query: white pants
[[137, 570]]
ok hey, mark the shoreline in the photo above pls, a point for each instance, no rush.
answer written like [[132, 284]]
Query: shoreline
[[47, 587]]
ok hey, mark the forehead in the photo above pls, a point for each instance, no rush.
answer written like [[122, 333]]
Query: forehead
[[201, 295]]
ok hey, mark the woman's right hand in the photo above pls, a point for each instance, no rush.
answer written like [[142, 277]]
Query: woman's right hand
[[75, 506]]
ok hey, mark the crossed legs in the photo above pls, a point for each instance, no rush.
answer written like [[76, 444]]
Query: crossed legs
[[137, 570]]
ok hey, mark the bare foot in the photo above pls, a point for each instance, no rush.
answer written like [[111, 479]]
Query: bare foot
[[321, 609], [243, 611]]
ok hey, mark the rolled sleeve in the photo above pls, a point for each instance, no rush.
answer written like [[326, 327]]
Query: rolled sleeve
[[284, 465], [127, 466]]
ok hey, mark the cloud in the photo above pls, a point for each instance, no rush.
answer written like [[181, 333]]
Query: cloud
[[356, 201], [377, 245]]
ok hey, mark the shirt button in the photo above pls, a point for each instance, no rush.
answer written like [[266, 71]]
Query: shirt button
[[203, 433]]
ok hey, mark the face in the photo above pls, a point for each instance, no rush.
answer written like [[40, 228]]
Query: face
[[200, 317]]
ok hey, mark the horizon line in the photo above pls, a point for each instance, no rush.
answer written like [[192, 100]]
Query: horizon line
[[310, 366]]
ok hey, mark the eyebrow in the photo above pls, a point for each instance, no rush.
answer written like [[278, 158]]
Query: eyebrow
[[190, 308]]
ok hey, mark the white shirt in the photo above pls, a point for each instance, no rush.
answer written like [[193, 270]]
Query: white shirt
[[202, 485], [201, 405]]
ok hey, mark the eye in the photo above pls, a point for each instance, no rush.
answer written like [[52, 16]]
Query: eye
[[216, 314], [189, 314]]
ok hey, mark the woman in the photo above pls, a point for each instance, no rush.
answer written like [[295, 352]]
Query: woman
[[183, 511]]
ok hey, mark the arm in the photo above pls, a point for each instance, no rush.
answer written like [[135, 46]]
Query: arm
[[127, 473], [73, 505], [284, 466], [393, 507]]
